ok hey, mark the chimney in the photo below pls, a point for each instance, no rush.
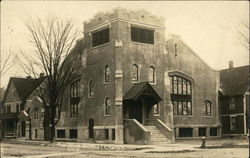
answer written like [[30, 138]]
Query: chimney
[[28, 77], [41, 75], [231, 64]]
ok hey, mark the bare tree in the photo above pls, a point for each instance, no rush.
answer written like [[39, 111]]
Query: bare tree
[[53, 40], [244, 34], [7, 58]]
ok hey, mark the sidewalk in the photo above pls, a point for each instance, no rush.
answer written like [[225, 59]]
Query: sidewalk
[[168, 147]]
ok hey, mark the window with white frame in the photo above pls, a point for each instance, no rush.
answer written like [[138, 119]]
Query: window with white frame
[[36, 113], [107, 106], [134, 73], [233, 124], [232, 103]]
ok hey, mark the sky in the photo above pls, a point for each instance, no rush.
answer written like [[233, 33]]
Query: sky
[[210, 29]]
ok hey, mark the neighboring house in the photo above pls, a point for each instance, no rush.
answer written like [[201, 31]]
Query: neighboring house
[[234, 100], [15, 99], [134, 82]]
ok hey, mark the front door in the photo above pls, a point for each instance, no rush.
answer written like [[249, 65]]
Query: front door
[[91, 128], [23, 128], [135, 111]]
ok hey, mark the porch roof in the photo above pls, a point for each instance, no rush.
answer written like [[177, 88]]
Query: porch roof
[[139, 89]]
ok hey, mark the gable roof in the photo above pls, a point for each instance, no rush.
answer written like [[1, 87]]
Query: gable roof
[[24, 86], [234, 81], [137, 90], [177, 38]]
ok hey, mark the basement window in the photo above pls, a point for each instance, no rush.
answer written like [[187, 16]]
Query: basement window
[[72, 133], [113, 134], [202, 132], [213, 131], [106, 132], [142, 35], [60, 133], [100, 37], [185, 132]]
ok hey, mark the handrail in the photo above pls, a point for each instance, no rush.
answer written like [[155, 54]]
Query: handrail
[[163, 124], [140, 125]]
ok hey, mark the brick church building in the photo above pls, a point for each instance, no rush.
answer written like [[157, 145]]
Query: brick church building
[[136, 86]]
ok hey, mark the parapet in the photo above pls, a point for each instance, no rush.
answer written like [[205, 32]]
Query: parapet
[[139, 16]]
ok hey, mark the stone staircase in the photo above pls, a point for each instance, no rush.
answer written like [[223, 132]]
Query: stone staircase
[[157, 137]]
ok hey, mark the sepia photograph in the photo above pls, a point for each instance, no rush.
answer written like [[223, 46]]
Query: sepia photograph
[[124, 79]]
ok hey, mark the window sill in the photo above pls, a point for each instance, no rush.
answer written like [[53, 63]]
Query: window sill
[[207, 116], [91, 97], [152, 83], [157, 115], [183, 115], [107, 115], [95, 47], [141, 43], [107, 83], [135, 81], [73, 118]]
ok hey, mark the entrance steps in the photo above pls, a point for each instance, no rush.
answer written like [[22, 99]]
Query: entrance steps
[[157, 137]]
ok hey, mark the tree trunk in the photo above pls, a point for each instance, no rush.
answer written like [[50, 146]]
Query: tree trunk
[[52, 132]]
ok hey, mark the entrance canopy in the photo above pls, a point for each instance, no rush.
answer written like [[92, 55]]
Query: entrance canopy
[[142, 90]]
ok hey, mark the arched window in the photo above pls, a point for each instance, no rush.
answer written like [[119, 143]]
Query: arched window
[[107, 74], [91, 88], [207, 107], [134, 73], [181, 95], [107, 106], [74, 98], [156, 109], [151, 74]]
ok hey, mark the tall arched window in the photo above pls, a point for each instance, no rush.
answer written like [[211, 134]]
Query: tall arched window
[[74, 98], [207, 108], [91, 88], [151, 74], [134, 73], [181, 95], [107, 106], [107, 74]]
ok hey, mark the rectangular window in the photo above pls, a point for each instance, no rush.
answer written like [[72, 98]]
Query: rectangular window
[[232, 104], [142, 35], [233, 124], [106, 132], [73, 133], [202, 132], [35, 133], [185, 132], [36, 113], [100, 37], [8, 107], [213, 131], [17, 108], [113, 134], [180, 108], [74, 98], [175, 109], [60, 133]]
